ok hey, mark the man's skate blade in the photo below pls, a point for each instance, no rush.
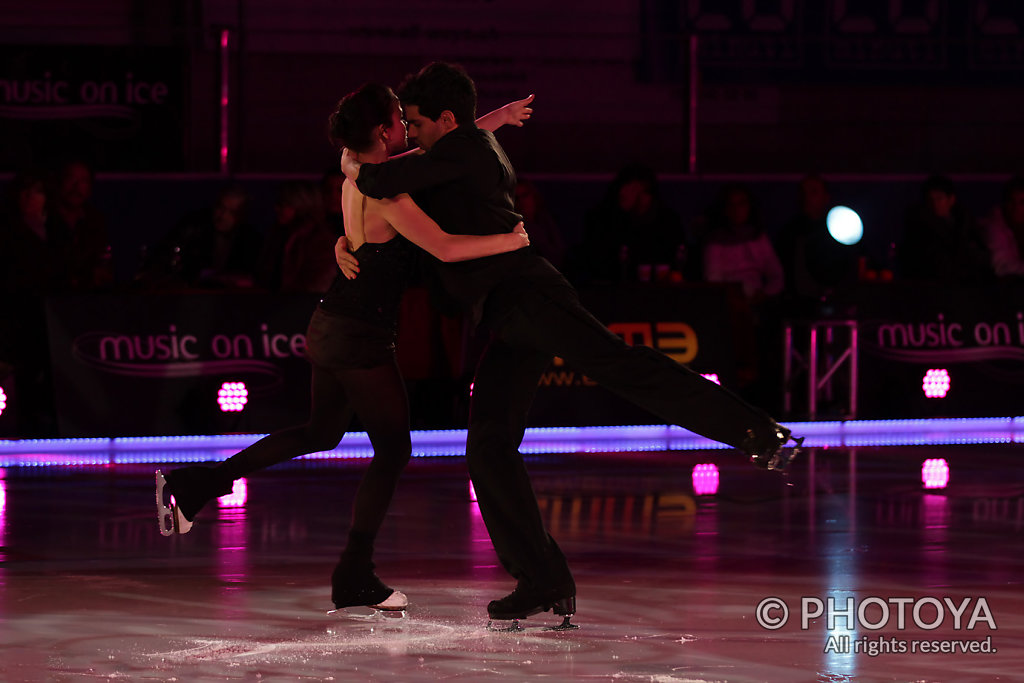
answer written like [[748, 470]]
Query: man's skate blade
[[517, 626], [564, 626], [782, 460], [504, 625]]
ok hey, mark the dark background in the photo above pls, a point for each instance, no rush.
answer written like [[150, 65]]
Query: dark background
[[853, 86], [874, 94]]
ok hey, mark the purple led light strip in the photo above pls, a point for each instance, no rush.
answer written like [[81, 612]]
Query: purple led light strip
[[63, 452]]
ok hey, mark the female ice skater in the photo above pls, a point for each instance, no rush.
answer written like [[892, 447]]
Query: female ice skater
[[351, 346]]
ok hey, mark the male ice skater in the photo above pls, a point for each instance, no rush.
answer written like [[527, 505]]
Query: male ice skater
[[465, 182]]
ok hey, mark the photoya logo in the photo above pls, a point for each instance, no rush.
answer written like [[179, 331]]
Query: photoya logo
[[875, 613], [176, 353], [676, 340]]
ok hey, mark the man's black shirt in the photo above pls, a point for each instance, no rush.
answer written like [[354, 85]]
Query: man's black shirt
[[467, 185]]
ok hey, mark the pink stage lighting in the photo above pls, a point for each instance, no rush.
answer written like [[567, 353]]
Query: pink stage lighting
[[705, 479], [935, 473], [232, 396], [936, 383], [472, 492], [3, 401], [236, 499], [711, 377]]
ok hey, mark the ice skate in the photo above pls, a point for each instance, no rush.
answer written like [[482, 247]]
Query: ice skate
[[507, 613], [771, 451], [190, 488], [169, 516], [360, 587]]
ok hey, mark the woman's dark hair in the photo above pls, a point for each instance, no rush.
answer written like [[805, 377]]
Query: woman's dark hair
[[358, 113]]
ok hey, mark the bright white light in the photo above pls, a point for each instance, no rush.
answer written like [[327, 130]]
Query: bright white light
[[935, 473], [232, 396], [472, 492], [711, 377], [3, 401], [844, 225], [936, 383]]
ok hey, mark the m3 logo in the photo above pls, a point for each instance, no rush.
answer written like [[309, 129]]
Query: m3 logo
[[676, 340]]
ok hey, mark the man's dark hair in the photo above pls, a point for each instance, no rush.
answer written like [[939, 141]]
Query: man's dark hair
[[439, 86], [358, 113]]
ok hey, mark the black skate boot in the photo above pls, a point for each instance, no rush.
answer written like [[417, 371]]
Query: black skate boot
[[527, 600], [769, 450], [192, 488], [359, 586]]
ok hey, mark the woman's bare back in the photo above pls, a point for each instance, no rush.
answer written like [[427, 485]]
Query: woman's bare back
[[363, 219]]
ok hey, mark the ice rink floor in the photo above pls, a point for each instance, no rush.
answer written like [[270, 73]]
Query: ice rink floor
[[674, 584]]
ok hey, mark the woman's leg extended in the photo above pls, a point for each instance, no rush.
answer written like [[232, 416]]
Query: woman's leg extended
[[329, 416], [330, 413]]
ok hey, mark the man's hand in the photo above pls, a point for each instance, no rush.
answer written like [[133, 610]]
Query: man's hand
[[346, 261], [521, 231], [350, 165], [517, 112]]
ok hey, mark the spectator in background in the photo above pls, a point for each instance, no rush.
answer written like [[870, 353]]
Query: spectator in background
[[736, 249], [82, 228], [307, 262], [294, 255], [941, 242], [32, 262], [545, 235], [32, 265], [213, 248], [330, 186], [1003, 230], [814, 263], [631, 234]]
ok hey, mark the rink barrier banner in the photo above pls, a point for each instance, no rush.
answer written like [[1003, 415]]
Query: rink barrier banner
[[153, 364], [975, 334]]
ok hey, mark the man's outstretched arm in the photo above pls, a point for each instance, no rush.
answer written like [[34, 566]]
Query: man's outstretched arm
[[407, 173]]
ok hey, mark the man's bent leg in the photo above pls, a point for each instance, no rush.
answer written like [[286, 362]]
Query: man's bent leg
[[504, 386]]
